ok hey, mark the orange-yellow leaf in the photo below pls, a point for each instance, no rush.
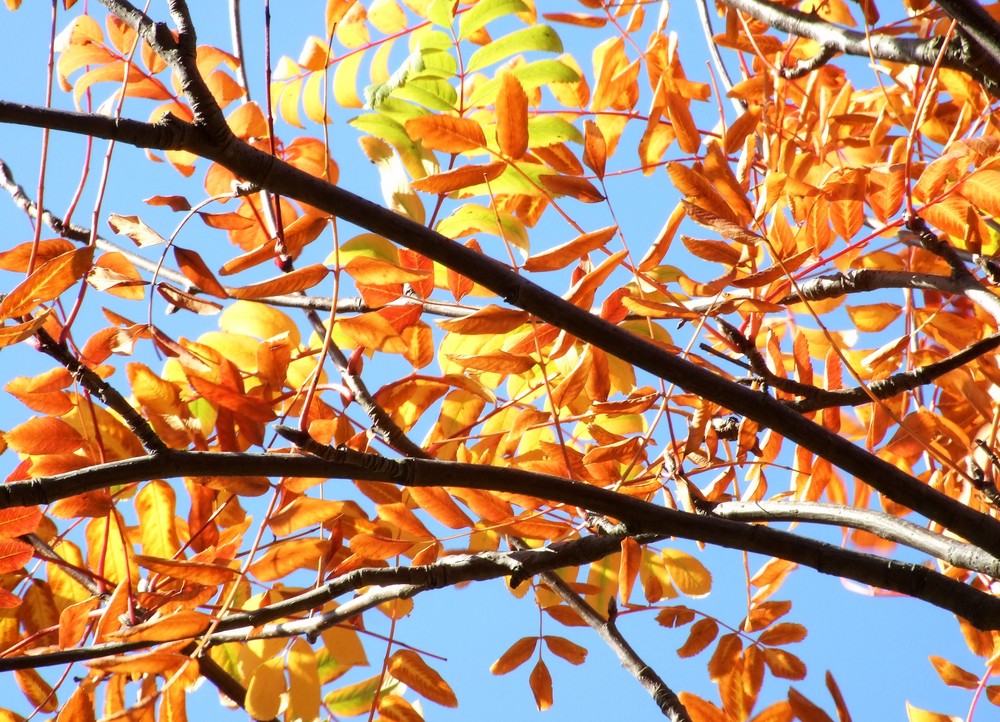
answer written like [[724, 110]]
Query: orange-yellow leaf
[[156, 504], [37, 690], [47, 282], [573, 186], [583, 292], [490, 320], [446, 133], [265, 689], [298, 280], [439, 504], [953, 675], [565, 254], [80, 705], [375, 271], [784, 664], [73, 621], [18, 257], [187, 301], [459, 178], [675, 616], [541, 685], [393, 708], [916, 714], [512, 117], [981, 190], [44, 435], [254, 408], [287, 556], [699, 190], [595, 148], [495, 362], [410, 669], [209, 575], [375, 546], [10, 335], [723, 660], [687, 573], [184, 624], [304, 697], [196, 271], [517, 654]]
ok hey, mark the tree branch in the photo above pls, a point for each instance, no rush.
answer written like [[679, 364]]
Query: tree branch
[[981, 609]]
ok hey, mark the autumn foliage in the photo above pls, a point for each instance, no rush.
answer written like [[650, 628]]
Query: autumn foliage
[[588, 303]]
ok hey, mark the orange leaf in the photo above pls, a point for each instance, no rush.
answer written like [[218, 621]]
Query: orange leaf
[[784, 664], [953, 675], [410, 669], [517, 654], [17, 258], [187, 301], [18, 520], [565, 254], [298, 280], [80, 705], [981, 190], [197, 272], [439, 504], [10, 335], [574, 187], [595, 148], [699, 190], [702, 633], [459, 178], [37, 690], [254, 408], [184, 624], [490, 320], [541, 685], [209, 575], [783, 633], [723, 660], [47, 282], [14, 554], [764, 614], [807, 711], [73, 622], [44, 435], [375, 271], [499, 362], [287, 556], [512, 117], [393, 708], [446, 133], [675, 616], [583, 292], [375, 546], [562, 647]]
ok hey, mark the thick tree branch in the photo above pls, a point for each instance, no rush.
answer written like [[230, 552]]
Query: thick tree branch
[[981, 609], [957, 56]]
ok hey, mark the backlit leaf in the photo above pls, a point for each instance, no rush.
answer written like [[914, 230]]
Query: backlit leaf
[[47, 282], [518, 653], [410, 669], [541, 685], [538, 38], [447, 133]]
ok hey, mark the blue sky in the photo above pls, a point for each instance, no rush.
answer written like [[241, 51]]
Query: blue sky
[[877, 648]]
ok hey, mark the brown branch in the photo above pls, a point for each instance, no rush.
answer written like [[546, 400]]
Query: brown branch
[[982, 610], [911, 51], [815, 398]]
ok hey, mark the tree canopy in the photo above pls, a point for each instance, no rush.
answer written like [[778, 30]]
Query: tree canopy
[[449, 292]]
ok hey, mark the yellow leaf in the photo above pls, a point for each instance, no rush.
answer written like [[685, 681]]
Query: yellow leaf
[[541, 685], [304, 696], [689, 574], [410, 669], [344, 645], [156, 504], [266, 687], [915, 714], [47, 282]]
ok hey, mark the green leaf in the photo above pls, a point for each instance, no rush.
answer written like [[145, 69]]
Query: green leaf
[[484, 12], [532, 75], [541, 38], [546, 130], [432, 94], [355, 699]]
